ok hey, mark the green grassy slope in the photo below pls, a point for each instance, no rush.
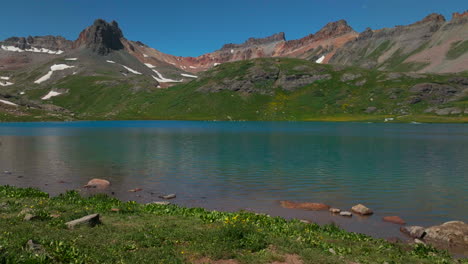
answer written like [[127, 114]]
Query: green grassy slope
[[369, 95], [136, 233]]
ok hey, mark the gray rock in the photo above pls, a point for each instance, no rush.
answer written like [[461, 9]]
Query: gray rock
[[34, 247], [418, 241], [371, 109], [29, 217], [292, 82], [361, 209], [448, 111], [361, 82], [25, 211], [349, 77], [335, 210], [346, 213], [331, 250], [413, 231], [167, 197], [91, 220], [453, 233], [466, 111]]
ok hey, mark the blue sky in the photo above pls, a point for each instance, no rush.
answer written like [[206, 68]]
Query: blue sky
[[194, 27]]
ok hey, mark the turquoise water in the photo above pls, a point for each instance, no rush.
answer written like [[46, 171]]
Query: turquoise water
[[416, 171]]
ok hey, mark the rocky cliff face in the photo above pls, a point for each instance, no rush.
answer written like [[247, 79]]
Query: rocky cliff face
[[44, 42], [101, 37], [421, 46]]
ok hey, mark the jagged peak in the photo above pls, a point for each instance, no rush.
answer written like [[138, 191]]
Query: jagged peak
[[102, 37], [257, 41], [336, 28], [457, 15], [434, 17]]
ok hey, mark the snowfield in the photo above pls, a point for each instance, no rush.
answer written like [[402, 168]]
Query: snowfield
[[189, 75], [109, 61], [8, 102], [161, 79], [71, 59], [320, 60], [55, 67], [4, 78], [32, 49], [50, 95], [146, 56]]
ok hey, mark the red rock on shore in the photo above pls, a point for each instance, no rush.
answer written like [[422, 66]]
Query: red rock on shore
[[304, 206], [394, 219]]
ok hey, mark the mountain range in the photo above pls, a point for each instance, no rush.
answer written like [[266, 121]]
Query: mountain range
[[52, 78]]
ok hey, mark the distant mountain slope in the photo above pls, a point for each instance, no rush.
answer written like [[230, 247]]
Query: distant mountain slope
[[425, 46], [258, 89]]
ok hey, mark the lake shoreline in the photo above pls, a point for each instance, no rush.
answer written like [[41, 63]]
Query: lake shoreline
[[49, 214], [324, 217]]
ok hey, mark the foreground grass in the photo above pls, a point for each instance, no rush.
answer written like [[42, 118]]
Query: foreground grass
[[137, 233]]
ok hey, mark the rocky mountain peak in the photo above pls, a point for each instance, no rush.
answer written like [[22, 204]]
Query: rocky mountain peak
[[257, 41], [334, 29], [457, 15], [102, 37], [434, 17]]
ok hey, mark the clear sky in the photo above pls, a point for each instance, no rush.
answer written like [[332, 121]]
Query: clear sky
[[194, 27]]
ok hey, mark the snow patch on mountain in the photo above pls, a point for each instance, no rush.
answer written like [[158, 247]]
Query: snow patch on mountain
[[320, 60], [189, 75], [4, 78], [131, 70], [32, 49], [151, 66], [8, 102], [50, 95], [161, 79], [71, 59], [55, 67], [6, 83], [109, 61]]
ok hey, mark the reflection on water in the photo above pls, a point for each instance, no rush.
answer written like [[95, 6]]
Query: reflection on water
[[416, 171]]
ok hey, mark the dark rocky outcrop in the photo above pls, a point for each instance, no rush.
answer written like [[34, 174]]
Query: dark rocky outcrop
[[256, 42], [53, 43], [101, 37]]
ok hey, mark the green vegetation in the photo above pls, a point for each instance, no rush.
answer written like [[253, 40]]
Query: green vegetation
[[109, 97], [457, 49], [136, 233]]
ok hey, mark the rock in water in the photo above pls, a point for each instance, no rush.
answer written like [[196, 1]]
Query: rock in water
[[167, 197], [304, 206], [361, 209], [394, 219], [161, 203], [413, 231], [453, 233], [334, 210], [346, 213], [97, 183], [91, 220]]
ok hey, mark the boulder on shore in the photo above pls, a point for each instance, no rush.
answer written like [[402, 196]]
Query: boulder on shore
[[413, 231], [361, 209], [91, 220], [394, 219], [334, 210], [304, 206], [453, 233], [97, 183]]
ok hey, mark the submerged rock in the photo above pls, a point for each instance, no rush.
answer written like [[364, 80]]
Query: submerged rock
[[304, 206], [346, 213], [361, 209], [167, 197], [91, 220], [394, 219], [97, 183]]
